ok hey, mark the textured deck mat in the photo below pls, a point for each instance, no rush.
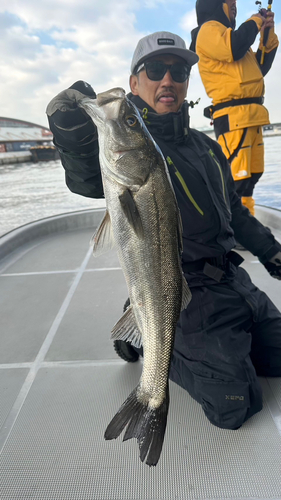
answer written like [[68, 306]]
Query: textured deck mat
[[61, 383], [11, 381], [56, 450], [275, 384]]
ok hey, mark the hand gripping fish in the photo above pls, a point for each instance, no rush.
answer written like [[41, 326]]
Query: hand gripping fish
[[143, 221]]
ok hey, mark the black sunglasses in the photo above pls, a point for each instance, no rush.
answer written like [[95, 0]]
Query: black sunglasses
[[156, 70]]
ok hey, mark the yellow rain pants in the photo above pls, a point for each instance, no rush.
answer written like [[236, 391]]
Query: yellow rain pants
[[247, 165]]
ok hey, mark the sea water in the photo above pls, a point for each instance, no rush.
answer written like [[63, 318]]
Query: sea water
[[32, 191]]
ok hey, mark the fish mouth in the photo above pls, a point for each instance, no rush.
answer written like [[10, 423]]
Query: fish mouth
[[110, 96]]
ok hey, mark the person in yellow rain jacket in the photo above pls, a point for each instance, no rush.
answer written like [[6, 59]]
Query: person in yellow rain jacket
[[233, 77]]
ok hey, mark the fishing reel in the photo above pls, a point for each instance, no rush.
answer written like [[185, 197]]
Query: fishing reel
[[259, 4], [261, 10], [264, 12], [192, 103]]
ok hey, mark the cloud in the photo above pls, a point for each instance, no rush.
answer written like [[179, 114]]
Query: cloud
[[32, 72], [153, 4], [189, 21], [47, 46], [61, 13]]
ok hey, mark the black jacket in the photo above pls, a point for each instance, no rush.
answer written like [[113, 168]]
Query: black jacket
[[211, 211]]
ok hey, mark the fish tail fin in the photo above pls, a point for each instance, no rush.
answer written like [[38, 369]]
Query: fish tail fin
[[144, 423]]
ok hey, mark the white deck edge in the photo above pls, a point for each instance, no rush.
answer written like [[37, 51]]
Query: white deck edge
[[22, 235], [13, 240]]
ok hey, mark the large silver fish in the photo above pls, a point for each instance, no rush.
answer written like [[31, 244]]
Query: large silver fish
[[143, 221]]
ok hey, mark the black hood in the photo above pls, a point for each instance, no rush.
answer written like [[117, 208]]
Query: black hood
[[209, 10]]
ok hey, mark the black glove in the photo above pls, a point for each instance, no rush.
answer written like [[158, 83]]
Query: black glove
[[273, 266], [72, 128]]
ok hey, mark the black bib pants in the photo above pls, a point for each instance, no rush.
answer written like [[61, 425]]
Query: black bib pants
[[229, 334]]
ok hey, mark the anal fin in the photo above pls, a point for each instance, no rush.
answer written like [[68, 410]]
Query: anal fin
[[126, 329]]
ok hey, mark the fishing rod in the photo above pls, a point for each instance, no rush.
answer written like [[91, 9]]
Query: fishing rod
[[266, 31]]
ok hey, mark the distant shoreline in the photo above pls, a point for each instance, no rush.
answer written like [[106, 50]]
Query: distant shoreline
[[265, 134]]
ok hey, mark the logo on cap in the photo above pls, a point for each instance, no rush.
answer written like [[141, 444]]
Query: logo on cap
[[165, 41]]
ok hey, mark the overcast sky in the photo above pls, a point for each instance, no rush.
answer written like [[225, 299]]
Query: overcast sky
[[47, 46]]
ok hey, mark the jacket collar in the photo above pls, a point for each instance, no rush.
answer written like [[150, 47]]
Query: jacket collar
[[170, 126]]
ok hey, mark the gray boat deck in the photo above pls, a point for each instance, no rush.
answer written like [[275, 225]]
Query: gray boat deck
[[61, 382]]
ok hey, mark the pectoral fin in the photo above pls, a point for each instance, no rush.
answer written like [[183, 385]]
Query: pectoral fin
[[186, 294], [103, 239], [131, 212], [126, 329]]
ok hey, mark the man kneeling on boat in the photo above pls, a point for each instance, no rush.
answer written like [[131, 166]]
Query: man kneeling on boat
[[230, 333]]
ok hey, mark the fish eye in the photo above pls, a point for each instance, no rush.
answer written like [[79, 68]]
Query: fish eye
[[131, 120]]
